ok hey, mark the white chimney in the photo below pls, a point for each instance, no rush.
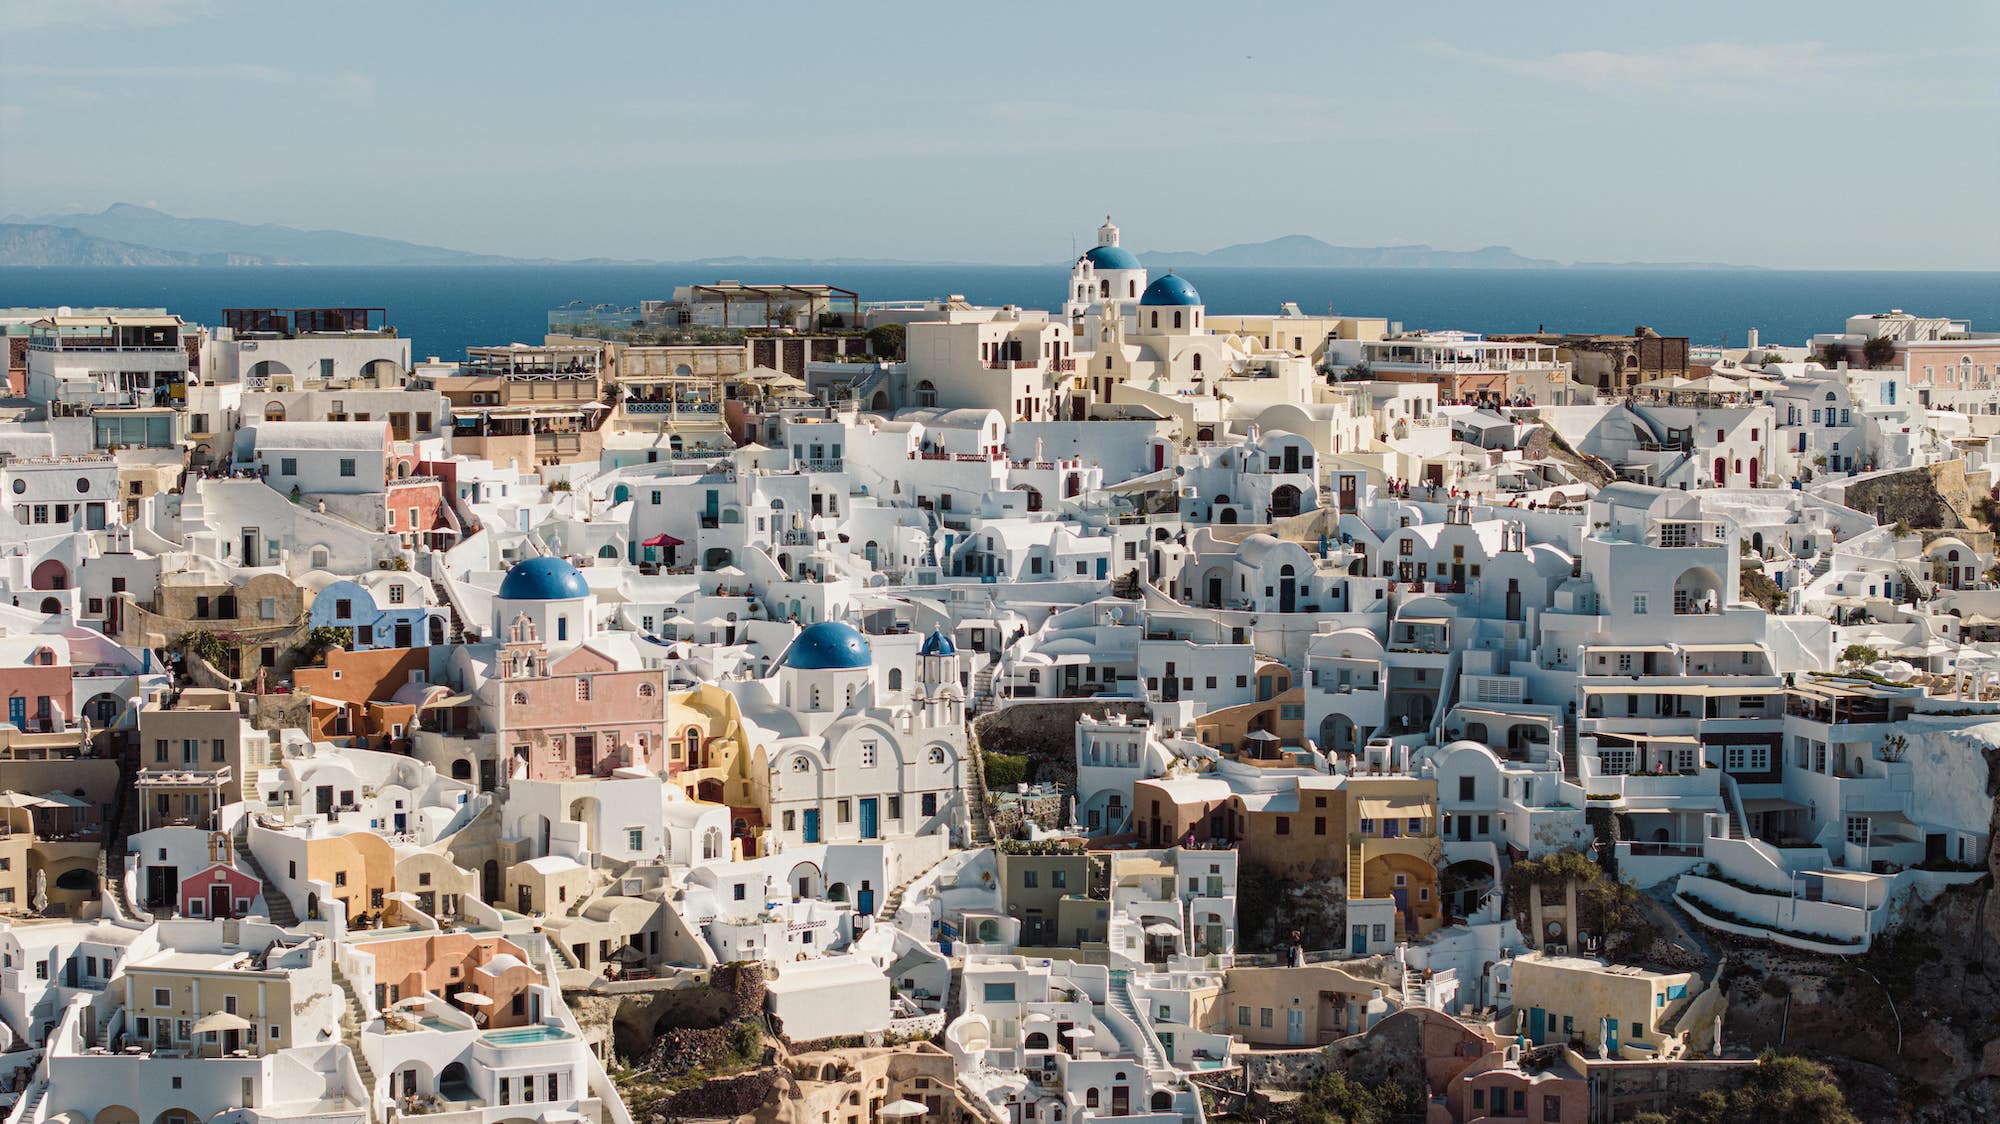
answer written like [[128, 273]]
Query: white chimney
[[1751, 343]]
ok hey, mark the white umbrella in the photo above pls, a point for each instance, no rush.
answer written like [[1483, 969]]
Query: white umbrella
[[901, 1110], [220, 1021], [474, 999], [1163, 929]]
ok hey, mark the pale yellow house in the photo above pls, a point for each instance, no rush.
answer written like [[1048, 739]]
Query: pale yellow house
[[1623, 1009]]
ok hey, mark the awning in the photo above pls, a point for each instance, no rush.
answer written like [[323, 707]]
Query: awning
[[1771, 804], [1721, 648], [662, 540], [1393, 808], [447, 700], [1651, 739], [1629, 647]]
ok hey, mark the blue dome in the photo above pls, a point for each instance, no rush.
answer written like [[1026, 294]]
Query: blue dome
[[543, 579], [829, 646], [1111, 257], [938, 644], [1170, 290]]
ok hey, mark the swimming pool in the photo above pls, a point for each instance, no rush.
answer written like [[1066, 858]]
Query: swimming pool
[[526, 1035]]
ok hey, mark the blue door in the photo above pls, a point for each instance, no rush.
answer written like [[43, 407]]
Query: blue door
[[869, 827], [17, 711], [1295, 1026], [864, 902], [812, 825], [1611, 1036], [1537, 1024], [1360, 941]]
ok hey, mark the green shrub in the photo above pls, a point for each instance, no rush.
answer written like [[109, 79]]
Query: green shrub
[[1005, 771]]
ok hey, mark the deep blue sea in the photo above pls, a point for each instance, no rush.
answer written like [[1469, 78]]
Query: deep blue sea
[[443, 311]]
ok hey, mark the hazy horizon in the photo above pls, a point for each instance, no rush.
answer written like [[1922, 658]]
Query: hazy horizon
[[1766, 135]]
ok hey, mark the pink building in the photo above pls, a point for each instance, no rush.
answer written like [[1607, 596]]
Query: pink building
[[577, 715], [219, 892], [36, 683]]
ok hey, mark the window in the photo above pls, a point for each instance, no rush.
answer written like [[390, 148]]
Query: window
[[1466, 785], [347, 466], [867, 755], [343, 609], [396, 591], [635, 838], [1638, 604], [1242, 1016], [841, 811], [930, 803], [1284, 825], [999, 992], [1552, 1108], [1747, 758], [1059, 879], [1857, 830], [288, 466], [267, 608], [1030, 880]]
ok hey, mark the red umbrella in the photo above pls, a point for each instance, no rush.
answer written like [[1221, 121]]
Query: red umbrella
[[662, 540]]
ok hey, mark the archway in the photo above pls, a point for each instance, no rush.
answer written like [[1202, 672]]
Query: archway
[[461, 769], [178, 1116], [620, 494], [378, 368], [1336, 732], [806, 881], [115, 1114], [51, 574], [274, 411], [1285, 501], [1697, 590], [51, 605], [716, 558], [454, 1084]]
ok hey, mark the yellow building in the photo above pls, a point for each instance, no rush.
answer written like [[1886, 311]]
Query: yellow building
[[361, 868], [1393, 848], [712, 759], [1564, 999], [267, 1000]]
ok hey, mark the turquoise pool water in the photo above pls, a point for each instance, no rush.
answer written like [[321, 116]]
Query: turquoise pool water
[[526, 1035]]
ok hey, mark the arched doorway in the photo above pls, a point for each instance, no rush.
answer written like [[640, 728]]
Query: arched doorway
[[51, 574], [489, 887], [1285, 501]]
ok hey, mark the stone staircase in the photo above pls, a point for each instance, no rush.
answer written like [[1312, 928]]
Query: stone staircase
[[954, 998], [31, 1101], [117, 880], [978, 821], [982, 690], [275, 902], [1119, 997], [444, 600], [353, 1016], [1355, 863], [894, 902]]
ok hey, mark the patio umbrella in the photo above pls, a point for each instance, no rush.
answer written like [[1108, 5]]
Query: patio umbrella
[[1163, 929], [474, 999], [217, 1021], [901, 1110], [626, 954], [23, 800], [1261, 736], [661, 540]]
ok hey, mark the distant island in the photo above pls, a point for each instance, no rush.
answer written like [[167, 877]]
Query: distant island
[[128, 235]]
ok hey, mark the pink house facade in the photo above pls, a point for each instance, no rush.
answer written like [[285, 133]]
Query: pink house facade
[[35, 680], [219, 892], [578, 715]]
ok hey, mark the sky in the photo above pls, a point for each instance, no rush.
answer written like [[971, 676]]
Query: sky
[[1829, 135]]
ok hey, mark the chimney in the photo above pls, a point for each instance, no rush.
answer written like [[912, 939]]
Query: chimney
[[1751, 343]]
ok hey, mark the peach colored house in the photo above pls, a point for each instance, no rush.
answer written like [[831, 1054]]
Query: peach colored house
[[445, 964], [583, 718], [361, 868], [353, 694], [40, 696]]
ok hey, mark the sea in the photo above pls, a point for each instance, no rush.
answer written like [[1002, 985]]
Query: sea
[[445, 310]]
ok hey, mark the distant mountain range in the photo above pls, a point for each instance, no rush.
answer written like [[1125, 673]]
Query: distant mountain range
[[124, 234], [1301, 251]]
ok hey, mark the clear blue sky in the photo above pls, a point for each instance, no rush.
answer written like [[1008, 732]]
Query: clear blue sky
[[1825, 134]]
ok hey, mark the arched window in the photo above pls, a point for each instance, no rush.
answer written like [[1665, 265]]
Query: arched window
[[895, 679], [711, 843], [1156, 319], [647, 690], [1177, 319], [520, 698], [935, 756], [802, 764]]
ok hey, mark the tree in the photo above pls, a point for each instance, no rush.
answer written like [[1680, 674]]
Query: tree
[[886, 341], [1860, 653], [1780, 1089], [1878, 351], [1833, 355], [1339, 1099], [322, 638]]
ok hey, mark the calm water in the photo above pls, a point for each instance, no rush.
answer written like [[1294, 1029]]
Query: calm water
[[443, 311]]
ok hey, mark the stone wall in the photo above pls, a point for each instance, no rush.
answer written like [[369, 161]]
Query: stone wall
[[1933, 497], [1046, 812], [1045, 732]]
